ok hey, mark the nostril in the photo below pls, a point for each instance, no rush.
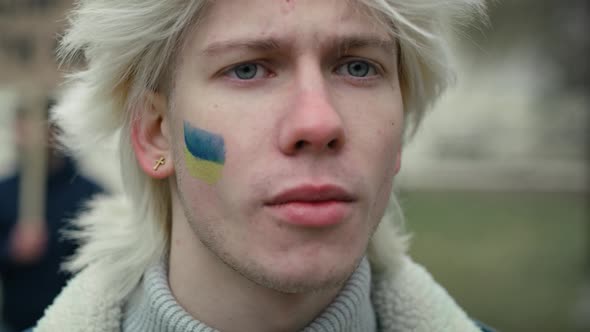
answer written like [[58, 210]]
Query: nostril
[[333, 144], [299, 145]]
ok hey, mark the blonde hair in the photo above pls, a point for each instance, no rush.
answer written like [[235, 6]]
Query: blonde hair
[[129, 47]]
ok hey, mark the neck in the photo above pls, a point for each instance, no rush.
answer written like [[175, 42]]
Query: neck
[[220, 297]]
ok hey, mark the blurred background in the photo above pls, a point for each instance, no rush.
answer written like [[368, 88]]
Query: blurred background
[[495, 185]]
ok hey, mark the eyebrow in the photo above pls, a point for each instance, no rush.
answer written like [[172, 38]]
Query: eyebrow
[[343, 45], [216, 48], [340, 44]]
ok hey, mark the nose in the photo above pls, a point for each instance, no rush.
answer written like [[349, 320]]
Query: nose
[[312, 123]]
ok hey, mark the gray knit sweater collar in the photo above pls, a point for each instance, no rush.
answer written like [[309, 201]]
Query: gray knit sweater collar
[[152, 307]]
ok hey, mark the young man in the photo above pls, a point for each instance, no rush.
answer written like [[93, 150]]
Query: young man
[[258, 145]]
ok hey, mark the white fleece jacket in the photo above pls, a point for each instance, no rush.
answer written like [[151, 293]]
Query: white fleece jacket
[[405, 298]]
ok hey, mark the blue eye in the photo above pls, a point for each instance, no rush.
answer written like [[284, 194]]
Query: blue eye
[[357, 68], [245, 71]]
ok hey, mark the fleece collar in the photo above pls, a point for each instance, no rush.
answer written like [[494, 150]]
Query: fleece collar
[[408, 300]]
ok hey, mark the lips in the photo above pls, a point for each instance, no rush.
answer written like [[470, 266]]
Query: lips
[[312, 205]]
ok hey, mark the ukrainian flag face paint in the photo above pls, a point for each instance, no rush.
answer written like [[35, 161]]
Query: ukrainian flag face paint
[[204, 153]]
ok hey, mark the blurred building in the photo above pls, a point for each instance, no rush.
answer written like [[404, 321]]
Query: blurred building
[[28, 42], [519, 117]]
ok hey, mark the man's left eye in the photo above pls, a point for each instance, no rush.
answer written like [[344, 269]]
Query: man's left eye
[[357, 68]]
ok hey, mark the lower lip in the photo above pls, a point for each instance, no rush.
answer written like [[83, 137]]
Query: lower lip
[[312, 214]]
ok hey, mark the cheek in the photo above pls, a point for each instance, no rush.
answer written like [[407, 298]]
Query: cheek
[[383, 133], [383, 169], [206, 166], [383, 146], [203, 153]]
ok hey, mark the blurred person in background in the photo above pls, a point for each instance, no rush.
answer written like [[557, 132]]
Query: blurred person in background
[[258, 145], [31, 251]]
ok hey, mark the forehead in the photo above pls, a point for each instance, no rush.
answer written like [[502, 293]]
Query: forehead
[[293, 21]]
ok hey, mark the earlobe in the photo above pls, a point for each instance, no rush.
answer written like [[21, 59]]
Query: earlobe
[[151, 140]]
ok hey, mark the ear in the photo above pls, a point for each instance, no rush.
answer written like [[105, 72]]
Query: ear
[[151, 139], [398, 161]]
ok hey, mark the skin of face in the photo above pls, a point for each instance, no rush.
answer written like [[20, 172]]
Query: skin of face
[[303, 93]]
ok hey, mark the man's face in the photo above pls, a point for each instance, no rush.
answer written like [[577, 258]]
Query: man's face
[[287, 122]]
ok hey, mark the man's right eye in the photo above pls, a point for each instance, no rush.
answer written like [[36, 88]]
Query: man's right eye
[[247, 71]]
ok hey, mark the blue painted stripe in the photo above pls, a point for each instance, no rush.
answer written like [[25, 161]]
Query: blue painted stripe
[[203, 144]]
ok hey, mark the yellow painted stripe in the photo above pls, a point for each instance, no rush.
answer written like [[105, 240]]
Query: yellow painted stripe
[[205, 170]]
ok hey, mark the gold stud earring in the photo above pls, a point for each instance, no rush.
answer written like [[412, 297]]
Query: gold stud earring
[[159, 162]]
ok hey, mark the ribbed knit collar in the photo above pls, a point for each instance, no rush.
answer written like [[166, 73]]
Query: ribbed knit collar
[[153, 308]]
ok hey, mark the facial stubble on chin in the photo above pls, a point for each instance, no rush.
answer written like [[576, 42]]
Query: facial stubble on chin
[[258, 274], [251, 270]]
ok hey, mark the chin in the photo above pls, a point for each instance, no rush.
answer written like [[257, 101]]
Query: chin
[[300, 264], [304, 272]]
